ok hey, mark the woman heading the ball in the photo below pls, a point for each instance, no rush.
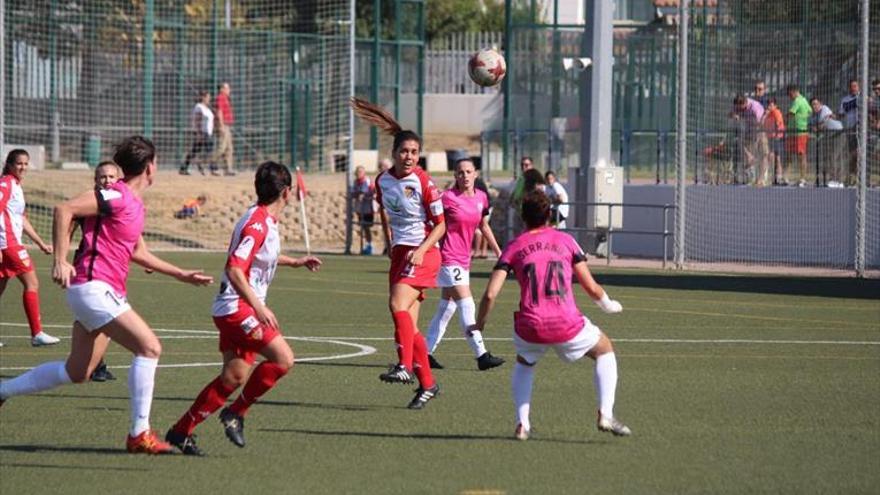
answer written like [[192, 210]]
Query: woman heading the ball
[[113, 224], [467, 211], [247, 326], [543, 260], [413, 224]]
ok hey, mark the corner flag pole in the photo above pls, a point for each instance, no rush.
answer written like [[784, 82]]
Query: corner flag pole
[[301, 194]]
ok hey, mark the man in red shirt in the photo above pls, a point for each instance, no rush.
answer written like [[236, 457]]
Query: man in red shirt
[[225, 119]]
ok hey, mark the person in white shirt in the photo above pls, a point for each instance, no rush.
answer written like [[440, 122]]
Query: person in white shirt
[[202, 121], [558, 198], [823, 122]]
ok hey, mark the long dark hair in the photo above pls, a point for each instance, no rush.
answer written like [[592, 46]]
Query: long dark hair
[[377, 116], [133, 155], [11, 158]]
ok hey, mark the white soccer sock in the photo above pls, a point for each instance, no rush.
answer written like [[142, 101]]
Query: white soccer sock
[[606, 383], [445, 311], [521, 382], [43, 377], [467, 318], [141, 379]]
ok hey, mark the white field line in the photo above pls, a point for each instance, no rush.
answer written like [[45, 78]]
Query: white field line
[[346, 340], [362, 350]]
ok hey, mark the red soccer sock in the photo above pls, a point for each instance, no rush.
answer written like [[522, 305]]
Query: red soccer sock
[[404, 330], [423, 366], [263, 378], [31, 301], [211, 398]]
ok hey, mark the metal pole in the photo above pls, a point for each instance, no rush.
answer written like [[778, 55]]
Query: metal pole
[[505, 85], [2, 76], [681, 120], [374, 76], [149, 22], [215, 18], [349, 170], [861, 217]]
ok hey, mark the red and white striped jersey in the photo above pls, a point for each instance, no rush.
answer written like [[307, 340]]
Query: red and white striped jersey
[[11, 211], [254, 248], [412, 204]]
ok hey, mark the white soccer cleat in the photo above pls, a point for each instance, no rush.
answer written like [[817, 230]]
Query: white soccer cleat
[[521, 433], [613, 426], [44, 338]]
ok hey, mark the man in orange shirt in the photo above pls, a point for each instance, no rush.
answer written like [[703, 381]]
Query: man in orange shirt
[[774, 127]]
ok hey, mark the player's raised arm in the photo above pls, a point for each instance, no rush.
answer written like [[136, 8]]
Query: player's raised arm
[[594, 290], [313, 263], [84, 205], [142, 256]]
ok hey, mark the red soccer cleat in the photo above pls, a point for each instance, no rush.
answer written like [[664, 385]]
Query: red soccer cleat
[[147, 443]]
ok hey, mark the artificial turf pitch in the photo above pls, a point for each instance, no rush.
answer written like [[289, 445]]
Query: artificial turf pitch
[[731, 384]]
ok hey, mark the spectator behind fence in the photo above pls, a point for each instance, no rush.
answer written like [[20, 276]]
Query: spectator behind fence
[[481, 244], [202, 122], [828, 140], [753, 140], [874, 123], [848, 113], [774, 128], [191, 207], [225, 119], [362, 193], [525, 164], [558, 198], [796, 138], [761, 94]]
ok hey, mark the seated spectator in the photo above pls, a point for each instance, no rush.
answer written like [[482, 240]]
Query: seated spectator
[[191, 207]]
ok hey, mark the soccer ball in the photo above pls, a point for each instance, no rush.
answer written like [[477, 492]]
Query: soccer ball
[[487, 67]]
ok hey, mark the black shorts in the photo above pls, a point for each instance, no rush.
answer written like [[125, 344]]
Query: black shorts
[[365, 219]]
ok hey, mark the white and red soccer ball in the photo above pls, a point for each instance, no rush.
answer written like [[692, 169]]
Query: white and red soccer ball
[[487, 67]]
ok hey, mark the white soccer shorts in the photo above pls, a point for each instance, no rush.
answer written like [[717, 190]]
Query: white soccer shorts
[[569, 352], [450, 276], [95, 304]]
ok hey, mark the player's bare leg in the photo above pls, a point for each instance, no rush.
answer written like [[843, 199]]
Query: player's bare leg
[[279, 360], [606, 387]]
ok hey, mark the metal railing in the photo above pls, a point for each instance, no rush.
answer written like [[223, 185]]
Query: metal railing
[[610, 231]]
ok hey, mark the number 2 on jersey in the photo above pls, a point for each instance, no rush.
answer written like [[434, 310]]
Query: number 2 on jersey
[[554, 282]]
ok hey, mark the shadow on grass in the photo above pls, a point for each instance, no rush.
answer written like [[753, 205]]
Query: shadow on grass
[[64, 450], [423, 436], [846, 288], [66, 467]]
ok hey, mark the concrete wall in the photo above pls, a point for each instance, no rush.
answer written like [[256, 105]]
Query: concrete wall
[[811, 226]]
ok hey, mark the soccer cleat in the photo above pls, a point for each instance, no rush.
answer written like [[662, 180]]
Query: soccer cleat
[[234, 426], [186, 444], [487, 361], [521, 433], [613, 426], [147, 443], [423, 395], [435, 365], [44, 338], [102, 374], [397, 373]]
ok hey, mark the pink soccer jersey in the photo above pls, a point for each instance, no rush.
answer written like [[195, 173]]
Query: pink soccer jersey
[[463, 216], [11, 212], [254, 248], [110, 237], [542, 261]]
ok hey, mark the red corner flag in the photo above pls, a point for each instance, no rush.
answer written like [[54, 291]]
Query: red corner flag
[[301, 191]]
